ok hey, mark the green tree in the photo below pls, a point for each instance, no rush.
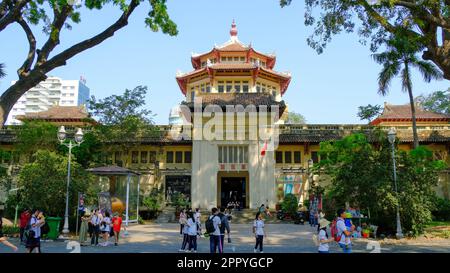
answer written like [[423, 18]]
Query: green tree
[[438, 102], [36, 135], [39, 61], [369, 112], [124, 121], [295, 118], [375, 20], [2, 70], [43, 183], [401, 57], [362, 175]]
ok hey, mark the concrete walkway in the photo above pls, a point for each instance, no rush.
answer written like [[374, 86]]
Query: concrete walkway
[[165, 238]]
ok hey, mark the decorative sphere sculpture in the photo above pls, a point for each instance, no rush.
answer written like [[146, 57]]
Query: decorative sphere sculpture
[[117, 205]]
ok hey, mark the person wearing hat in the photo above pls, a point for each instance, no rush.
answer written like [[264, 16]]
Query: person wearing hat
[[323, 236]]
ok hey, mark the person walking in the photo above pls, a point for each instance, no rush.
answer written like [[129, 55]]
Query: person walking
[[95, 223], [106, 228], [258, 231], [3, 239], [182, 220], [24, 219], [34, 238], [117, 224], [323, 238], [84, 228], [224, 225], [198, 219], [185, 231], [213, 229], [343, 233], [192, 232]]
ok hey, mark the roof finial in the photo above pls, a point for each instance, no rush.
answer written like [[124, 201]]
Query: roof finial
[[233, 31]]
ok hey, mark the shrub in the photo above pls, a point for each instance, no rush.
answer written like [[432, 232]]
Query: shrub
[[441, 211], [290, 204]]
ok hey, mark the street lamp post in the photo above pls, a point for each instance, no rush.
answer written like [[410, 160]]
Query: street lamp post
[[78, 140], [391, 138]]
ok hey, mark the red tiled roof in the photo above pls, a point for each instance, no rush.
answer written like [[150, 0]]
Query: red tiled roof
[[58, 113], [403, 113], [233, 47]]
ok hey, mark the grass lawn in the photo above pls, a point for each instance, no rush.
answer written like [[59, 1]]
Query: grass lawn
[[438, 229]]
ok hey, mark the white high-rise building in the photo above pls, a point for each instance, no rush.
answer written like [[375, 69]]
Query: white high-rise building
[[48, 93]]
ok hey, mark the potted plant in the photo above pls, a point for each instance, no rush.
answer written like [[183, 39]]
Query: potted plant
[[365, 233]]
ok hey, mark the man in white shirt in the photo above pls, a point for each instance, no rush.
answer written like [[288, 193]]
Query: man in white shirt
[[214, 238], [345, 242]]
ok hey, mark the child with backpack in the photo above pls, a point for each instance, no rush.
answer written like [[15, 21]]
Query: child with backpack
[[213, 230]]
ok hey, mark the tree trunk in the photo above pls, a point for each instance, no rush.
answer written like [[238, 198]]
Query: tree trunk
[[15, 91], [413, 114]]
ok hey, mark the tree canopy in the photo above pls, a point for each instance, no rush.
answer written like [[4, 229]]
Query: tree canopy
[[362, 174], [295, 118], [428, 22], [369, 112], [438, 102], [55, 16]]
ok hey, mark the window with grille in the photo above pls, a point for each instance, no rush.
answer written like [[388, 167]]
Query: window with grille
[[232, 154]]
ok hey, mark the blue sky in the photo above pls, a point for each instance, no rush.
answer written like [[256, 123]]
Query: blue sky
[[326, 88]]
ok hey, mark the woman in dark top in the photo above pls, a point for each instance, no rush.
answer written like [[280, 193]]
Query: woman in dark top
[[3, 239]]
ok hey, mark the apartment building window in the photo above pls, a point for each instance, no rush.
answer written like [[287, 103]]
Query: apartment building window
[[134, 157], [258, 87], [178, 157], [169, 157], [144, 157], [220, 87], [242, 59], [152, 157], [279, 157], [187, 157], [288, 157], [297, 157]]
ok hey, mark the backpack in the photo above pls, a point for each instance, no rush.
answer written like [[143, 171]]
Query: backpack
[[45, 229], [334, 231], [209, 224]]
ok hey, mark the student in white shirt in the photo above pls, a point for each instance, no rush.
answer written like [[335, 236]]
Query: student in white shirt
[[197, 217], [192, 232], [106, 228], [258, 231], [323, 236]]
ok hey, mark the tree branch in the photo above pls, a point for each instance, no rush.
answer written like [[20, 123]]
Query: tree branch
[[424, 14], [23, 70], [11, 16], [56, 26], [61, 58]]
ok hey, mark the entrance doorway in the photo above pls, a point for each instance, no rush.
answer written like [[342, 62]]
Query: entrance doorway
[[233, 189]]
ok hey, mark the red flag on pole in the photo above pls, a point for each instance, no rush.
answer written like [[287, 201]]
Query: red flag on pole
[[264, 149]]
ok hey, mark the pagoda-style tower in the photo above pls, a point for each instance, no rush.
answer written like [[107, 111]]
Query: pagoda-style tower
[[229, 168], [233, 68]]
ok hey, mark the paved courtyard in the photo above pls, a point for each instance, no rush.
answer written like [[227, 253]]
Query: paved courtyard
[[282, 238]]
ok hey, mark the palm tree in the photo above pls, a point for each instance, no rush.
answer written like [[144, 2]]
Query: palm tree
[[2, 70], [399, 58]]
